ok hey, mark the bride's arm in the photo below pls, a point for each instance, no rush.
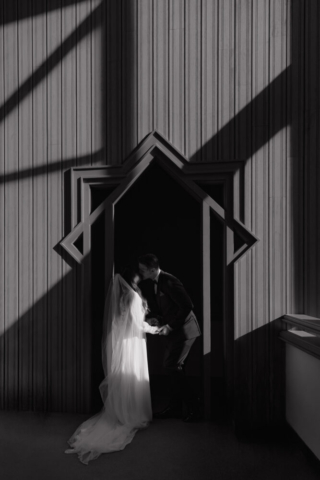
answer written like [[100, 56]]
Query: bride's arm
[[138, 315], [149, 329]]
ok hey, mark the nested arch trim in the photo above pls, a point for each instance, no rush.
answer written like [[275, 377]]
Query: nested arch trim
[[153, 149], [156, 149]]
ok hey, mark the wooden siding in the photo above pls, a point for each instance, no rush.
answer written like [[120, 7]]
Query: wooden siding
[[311, 121], [82, 83], [51, 120]]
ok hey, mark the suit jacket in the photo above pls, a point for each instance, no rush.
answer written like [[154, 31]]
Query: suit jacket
[[171, 306]]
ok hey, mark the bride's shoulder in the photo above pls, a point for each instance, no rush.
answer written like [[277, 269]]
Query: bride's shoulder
[[131, 295], [127, 297], [136, 295]]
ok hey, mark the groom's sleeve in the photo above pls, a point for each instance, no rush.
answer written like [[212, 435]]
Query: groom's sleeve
[[154, 315], [176, 291]]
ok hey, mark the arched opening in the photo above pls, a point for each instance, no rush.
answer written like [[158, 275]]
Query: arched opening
[[158, 215]]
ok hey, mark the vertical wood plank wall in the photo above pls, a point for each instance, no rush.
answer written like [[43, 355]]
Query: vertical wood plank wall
[[311, 125], [82, 83]]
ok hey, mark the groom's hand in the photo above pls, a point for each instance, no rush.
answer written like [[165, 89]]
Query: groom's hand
[[164, 330], [154, 322]]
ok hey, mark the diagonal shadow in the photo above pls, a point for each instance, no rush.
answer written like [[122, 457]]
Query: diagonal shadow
[[259, 400], [45, 351], [53, 167], [90, 23], [215, 145], [38, 8], [40, 335], [54, 390], [249, 116], [49, 389]]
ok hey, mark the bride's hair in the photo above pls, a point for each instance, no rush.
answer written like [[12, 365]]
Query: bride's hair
[[129, 273]]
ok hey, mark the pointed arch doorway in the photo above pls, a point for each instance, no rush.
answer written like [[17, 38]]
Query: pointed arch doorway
[[167, 222], [177, 209]]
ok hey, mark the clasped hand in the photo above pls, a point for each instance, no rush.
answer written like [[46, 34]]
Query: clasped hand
[[160, 330], [164, 331]]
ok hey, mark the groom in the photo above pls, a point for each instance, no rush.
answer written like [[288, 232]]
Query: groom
[[171, 309]]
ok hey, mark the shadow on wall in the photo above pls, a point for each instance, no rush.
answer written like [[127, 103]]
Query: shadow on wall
[[45, 359], [41, 356], [38, 8], [92, 22], [53, 379], [259, 387]]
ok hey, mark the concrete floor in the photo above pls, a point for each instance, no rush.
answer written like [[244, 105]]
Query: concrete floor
[[32, 447]]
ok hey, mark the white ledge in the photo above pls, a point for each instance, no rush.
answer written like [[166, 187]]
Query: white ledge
[[303, 332], [303, 322]]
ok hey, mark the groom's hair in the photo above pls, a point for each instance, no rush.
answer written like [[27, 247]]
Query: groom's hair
[[149, 260]]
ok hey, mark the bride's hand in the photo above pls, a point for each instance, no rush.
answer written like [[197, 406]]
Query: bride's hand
[[155, 330], [149, 329]]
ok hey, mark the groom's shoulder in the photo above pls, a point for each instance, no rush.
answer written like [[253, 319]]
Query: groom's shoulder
[[169, 278]]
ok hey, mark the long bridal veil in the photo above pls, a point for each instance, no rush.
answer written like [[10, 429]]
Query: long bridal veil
[[125, 390]]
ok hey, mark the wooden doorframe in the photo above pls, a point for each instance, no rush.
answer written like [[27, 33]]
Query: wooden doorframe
[[155, 149]]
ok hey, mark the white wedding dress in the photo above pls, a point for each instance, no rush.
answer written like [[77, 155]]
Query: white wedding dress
[[125, 390]]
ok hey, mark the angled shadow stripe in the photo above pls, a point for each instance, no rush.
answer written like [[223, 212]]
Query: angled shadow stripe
[[54, 167], [251, 115], [38, 8], [90, 23]]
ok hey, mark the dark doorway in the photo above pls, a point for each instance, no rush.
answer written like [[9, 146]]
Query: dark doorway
[[158, 215], [217, 263], [98, 296]]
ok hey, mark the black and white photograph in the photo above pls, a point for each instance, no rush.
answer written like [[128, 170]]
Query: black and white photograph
[[159, 239]]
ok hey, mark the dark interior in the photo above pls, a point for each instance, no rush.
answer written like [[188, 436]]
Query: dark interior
[[157, 215]]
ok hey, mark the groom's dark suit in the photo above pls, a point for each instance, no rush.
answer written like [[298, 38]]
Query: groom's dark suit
[[172, 306]]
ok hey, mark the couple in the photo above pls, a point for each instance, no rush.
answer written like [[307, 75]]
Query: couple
[[160, 305]]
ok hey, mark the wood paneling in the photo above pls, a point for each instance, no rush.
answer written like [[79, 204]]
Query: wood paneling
[[11, 213], [193, 66], [145, 68], [311, 149], [114, 103], [129, 78], [76, 141], [25, 210], [295, 171], [209, 77], [177, 74], [55, 212], [2, 225], [40, 330], [226, 77], [50, 100], [261, 279], [83, 84], [161, 29]]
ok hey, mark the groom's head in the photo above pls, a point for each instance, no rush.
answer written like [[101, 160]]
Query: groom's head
[[148, 266]]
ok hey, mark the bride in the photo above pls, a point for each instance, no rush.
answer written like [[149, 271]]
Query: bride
[[125, 390]]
